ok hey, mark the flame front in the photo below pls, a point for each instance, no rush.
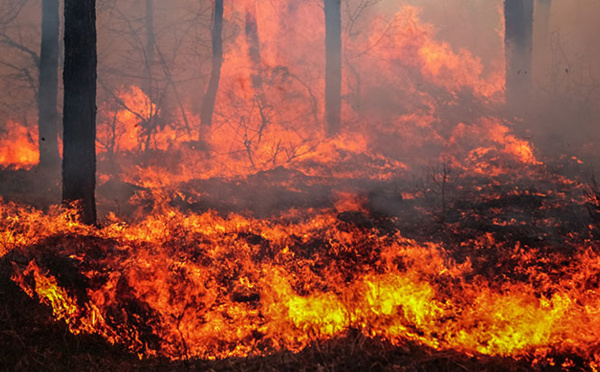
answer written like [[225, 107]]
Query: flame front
[[168, 276], [212, 287]]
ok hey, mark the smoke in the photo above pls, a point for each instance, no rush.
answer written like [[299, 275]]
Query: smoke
[[419, 77], [567, 78], [564, 109]]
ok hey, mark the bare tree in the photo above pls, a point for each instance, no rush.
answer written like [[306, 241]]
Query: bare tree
[[20, 65], [79, 152], [518, 16], [208, 103], [48, 87], [257, 78], [355, 12], [542, 20], [150, 46], [333, 73], [253, 41]]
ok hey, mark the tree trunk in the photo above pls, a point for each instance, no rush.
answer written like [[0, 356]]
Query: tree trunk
[[333, 69], [518, 16], [542, 20], [253, 42], [79, 121], [150, 41], [208, 104], [48, 89]]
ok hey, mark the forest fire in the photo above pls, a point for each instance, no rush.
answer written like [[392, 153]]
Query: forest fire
[[201, 285], [262, 214], [18, 147]]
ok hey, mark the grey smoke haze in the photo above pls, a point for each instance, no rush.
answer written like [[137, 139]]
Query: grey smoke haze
[[567, 75]]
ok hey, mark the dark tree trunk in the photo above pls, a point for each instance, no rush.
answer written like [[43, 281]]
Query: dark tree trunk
[[48, 89], [150, 41], [208, 104], [79, 151], [542, 10], [542, 20], [253, 42], [333, 73], [518, 16]]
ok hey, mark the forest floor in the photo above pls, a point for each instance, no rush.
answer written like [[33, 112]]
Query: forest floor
[[30, 339]]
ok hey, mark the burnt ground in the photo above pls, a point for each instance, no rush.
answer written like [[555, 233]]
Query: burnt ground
[[536, 211]]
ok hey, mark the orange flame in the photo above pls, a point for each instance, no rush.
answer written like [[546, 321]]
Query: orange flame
[[18, 147], [259, 306], [183, 285]]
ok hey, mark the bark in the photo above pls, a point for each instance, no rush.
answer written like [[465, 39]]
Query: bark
[[542, 20], [333, 69], [208, 104], [253, 42], [518, 16], [48, 88], [79, 117], [150, 41]]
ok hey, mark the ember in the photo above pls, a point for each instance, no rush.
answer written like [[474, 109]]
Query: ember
[[253, 203]]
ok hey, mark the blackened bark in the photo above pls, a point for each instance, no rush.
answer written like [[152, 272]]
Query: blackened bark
[[253, 42], [150, 41], [518, 16], [543, 12], [333, 69], [48, 89], [79, 121], [542, 20], [208, 103]]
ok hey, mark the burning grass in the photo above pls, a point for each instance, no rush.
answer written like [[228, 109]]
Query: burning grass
[[502, 271], [271, 246]]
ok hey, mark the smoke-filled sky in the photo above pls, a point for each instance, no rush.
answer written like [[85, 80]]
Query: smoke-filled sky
[[568, 72]]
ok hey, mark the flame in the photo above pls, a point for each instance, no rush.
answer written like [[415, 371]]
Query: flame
[[407, 42], [492, 148], [220, 298], [18, 147], [46, 287], [165, 281], [278, 122]]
